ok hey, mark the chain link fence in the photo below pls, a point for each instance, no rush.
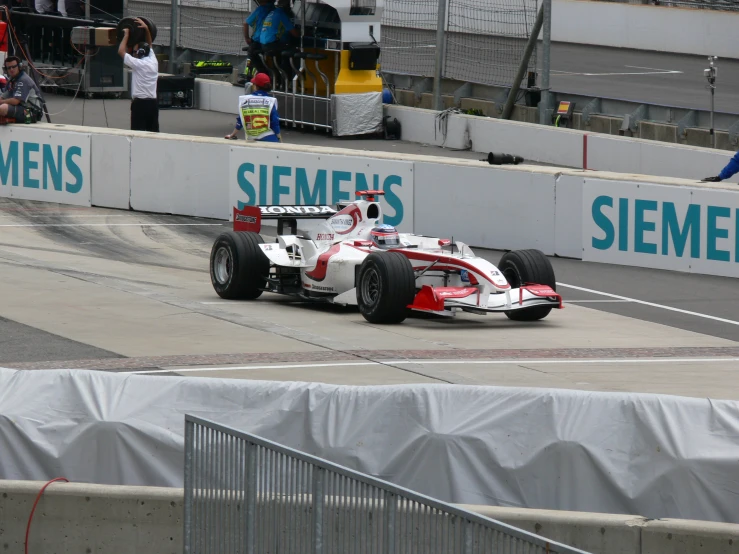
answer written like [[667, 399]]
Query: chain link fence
[[484, 39]]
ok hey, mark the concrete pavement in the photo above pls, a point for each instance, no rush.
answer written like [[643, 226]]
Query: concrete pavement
[[125, 291]]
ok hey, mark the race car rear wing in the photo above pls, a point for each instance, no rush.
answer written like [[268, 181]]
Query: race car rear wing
[[249, 218]]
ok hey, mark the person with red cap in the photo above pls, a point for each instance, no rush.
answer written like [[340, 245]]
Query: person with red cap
[[258, 113]]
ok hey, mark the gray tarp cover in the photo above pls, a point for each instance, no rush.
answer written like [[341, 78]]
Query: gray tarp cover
[[650, 455], [357, 114]]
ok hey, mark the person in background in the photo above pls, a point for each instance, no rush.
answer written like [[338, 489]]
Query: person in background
[[256, 20], [144, 74], [21, 94], [731, 169], [75, 8], [249, 73], [277, 30], [44, 6], [258, 113]]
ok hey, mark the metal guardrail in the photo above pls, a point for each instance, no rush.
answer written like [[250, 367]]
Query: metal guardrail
[[245, 494]]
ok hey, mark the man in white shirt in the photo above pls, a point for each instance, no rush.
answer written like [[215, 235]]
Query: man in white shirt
[[144, 73]]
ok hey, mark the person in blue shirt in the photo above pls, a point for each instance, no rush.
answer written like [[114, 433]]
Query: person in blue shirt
[[277, 29], [727, 172], [258, 113], [256, 20]]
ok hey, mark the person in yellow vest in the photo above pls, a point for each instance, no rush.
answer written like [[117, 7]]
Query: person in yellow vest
[[258, 113]]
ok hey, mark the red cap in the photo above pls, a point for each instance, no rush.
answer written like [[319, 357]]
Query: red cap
[[261, 80]]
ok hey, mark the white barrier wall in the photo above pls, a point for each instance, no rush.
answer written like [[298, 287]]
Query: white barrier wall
[[661, 226], [38, 163], [646, 27], [597, 216], [483, 205], [562, 147], [110, 167], [649, 157], [180, 175], [270, 176], [568, 215]]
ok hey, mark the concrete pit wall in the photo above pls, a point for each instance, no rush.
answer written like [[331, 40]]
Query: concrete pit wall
[[610, 125], [84, 518]]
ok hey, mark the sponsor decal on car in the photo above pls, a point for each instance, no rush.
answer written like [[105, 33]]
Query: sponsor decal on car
[[323, 289], [296, 210], [246, 218], [342, 223], [325, 236]]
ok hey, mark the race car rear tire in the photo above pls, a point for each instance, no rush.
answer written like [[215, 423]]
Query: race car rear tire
[[238, 267], [385, 287], [528, 266]]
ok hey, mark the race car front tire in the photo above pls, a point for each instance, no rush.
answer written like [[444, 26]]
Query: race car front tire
[[528, 266], [386, 287], [238, 267]]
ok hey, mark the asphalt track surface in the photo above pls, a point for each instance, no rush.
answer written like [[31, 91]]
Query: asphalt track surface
[[620, 73], [91, 288], [111, 290], [649, 77]]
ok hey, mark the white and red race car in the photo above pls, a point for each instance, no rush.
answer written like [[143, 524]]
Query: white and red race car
[[351, 259]]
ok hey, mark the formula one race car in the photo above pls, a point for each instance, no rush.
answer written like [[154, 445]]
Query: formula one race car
[[350, 258]]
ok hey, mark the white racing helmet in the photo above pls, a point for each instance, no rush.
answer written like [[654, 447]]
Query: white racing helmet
[[385, 237]]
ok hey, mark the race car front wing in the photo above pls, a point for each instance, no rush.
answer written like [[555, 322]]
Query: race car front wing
[[442, 300]]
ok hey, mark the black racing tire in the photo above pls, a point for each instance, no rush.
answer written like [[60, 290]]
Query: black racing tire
[[528, 266], [386, 286], [152, 29], [238, 267], [136, 33]]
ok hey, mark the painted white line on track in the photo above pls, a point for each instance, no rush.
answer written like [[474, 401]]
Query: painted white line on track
[[609, 300], [439, 362], [232, 368], [112, 225], [651, 304], [653, 69], [69, 215]]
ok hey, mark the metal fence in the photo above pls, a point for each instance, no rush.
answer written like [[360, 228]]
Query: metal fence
[[483, 43], [245, 494]]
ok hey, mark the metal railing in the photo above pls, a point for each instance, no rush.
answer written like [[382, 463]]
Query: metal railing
[[245, 494]]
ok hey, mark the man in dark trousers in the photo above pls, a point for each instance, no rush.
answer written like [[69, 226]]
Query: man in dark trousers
[[144, 73]]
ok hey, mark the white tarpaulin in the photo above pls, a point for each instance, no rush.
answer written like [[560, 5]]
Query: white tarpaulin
[[650, 455], [357, 114]]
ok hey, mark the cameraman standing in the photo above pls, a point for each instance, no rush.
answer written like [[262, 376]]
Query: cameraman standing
[[144, 74]]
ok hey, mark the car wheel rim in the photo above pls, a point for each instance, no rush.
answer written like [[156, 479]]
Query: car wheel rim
[[371, 287], [223, 265]]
